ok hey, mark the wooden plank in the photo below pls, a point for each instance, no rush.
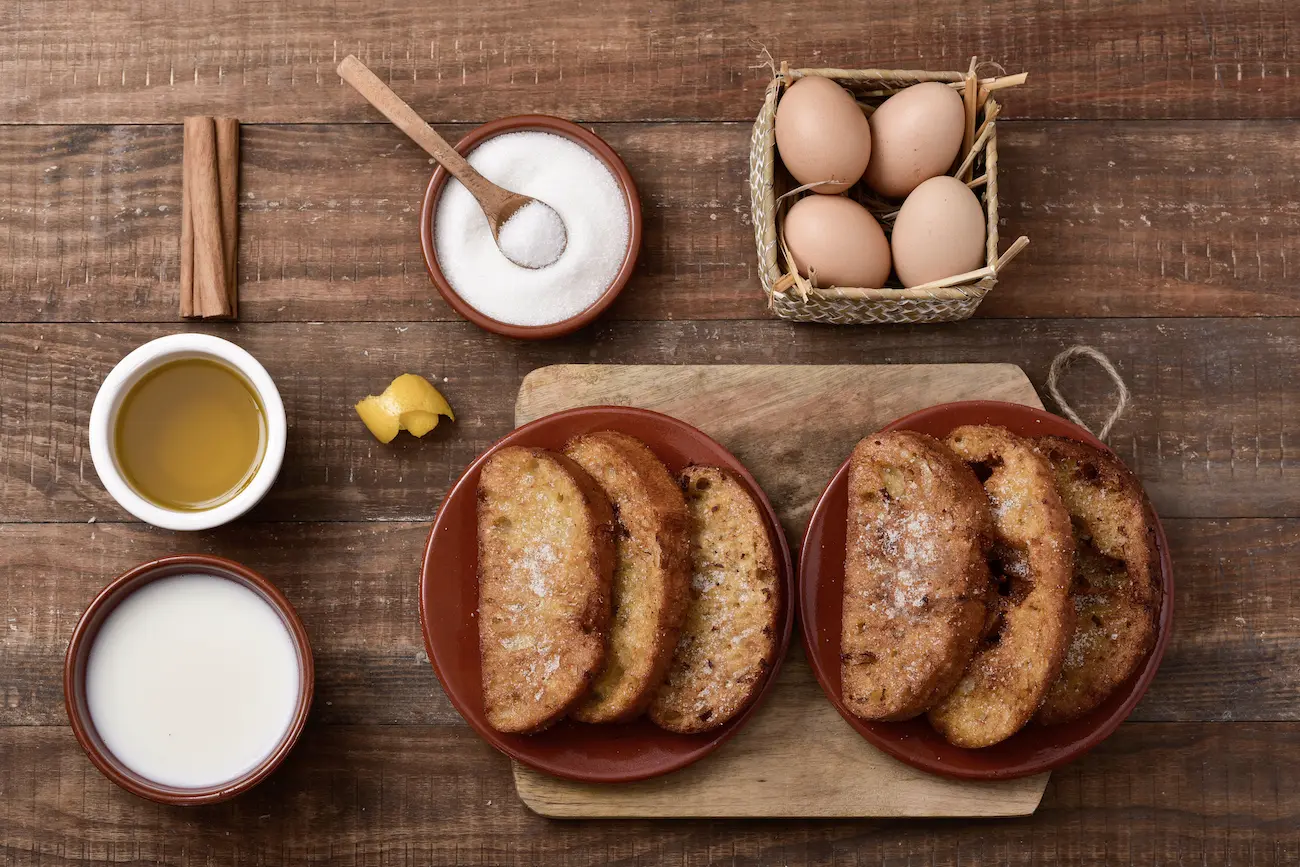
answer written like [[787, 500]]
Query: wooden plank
[[1127, 219], [1209, 432], [1208, 793], [748, 408], [796, 757], [119, 61], [355, 585], [1232, 657]]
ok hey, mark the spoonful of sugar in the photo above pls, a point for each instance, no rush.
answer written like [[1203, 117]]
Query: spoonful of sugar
[[528, 231]]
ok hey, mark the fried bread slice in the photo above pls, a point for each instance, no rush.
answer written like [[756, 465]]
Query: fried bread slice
[[1116, 590], [651, 573], [546, 561], [1031, 618], [728, 645], [916, 575]]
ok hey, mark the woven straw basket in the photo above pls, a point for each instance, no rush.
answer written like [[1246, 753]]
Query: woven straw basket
[[794, 297]]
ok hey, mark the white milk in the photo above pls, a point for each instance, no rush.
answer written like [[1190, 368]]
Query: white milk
[[192, 680]]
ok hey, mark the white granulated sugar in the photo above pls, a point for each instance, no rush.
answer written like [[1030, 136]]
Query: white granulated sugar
[[706, 580], [514, 643], [1082, 645], [536, 565], [911, 541], [585, 194], [741, 636], [1005, 505], [533, 236]]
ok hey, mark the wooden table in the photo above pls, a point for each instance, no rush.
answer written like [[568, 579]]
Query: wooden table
[[1152, 159]]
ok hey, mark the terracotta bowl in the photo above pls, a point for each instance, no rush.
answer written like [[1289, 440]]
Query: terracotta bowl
[[83, 636], [449, 607], [1033, 749], [599, 149]]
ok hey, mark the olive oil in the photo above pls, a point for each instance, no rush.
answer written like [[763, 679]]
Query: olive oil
[[190, 435]]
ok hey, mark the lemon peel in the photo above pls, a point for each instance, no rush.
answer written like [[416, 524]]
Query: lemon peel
[[410, 403]]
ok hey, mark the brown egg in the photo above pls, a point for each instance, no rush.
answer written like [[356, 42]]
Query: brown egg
[[939, 232], [822, 134], [839, 241], [915, 135]]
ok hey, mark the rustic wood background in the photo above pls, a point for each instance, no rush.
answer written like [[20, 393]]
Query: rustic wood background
[[1152, 160]]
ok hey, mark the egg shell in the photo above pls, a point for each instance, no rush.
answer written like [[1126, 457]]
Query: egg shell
[[822, 134], [839, 240], [939, 232], [915, 135]]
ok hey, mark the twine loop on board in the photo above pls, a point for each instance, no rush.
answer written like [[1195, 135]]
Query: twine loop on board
[[1059, 365]]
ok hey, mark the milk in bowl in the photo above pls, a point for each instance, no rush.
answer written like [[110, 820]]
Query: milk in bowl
[[192, 680]]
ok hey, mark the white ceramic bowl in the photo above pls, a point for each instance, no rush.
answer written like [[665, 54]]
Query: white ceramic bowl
[[103, 421]]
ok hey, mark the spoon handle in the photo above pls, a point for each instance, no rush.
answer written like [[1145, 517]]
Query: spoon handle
[[491, 197]]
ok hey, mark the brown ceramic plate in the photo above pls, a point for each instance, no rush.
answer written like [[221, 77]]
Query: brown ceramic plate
[[821, 578], [83, 636], [599, 149], [449, 605]]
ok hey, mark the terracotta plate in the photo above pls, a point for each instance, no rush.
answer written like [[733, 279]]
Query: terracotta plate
[[449, 603], [821, 576]]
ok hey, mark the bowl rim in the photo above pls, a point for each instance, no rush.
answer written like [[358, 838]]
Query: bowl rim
[[598, 148], [148, 357], [716, 738], [83, 636], [1134, 688]]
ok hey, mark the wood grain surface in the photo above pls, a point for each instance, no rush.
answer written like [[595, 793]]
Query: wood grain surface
[[1211, 431], [355, 586], [1126, 219], [1151, 158], [122, 61], [796, 757], [770, 416], [1194, 794]]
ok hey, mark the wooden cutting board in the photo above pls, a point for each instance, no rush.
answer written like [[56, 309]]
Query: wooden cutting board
[[791, 426]]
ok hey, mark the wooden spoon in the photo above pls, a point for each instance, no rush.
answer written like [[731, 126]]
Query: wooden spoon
[[498, 204]]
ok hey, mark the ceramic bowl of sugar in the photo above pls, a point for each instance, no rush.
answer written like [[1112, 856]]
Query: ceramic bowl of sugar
[[574, 172], [188, 679]]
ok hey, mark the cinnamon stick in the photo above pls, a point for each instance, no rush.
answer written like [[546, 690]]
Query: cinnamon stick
[[228, 181], [187, 232], [207, 294]]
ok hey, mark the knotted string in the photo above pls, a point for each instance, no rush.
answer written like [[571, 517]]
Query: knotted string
[[1062, 361]]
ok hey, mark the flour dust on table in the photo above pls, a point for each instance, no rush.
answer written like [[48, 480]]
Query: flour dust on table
[[580, 189]]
